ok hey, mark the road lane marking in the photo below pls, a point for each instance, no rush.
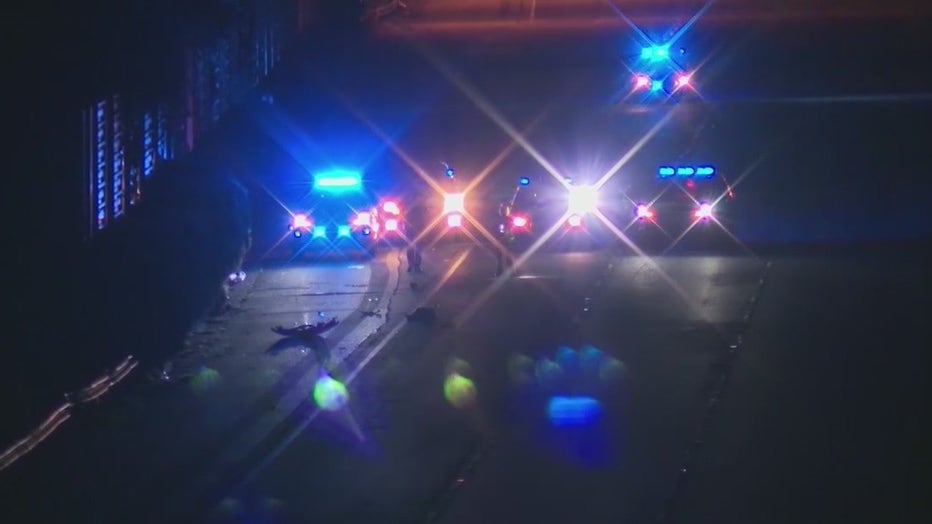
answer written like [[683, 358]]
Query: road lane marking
[[712, 401]]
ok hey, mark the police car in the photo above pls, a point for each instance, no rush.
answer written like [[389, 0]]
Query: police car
[[566, 210], [660, 74], [518, 213], [454, 208], [344, 218], [681, 205]]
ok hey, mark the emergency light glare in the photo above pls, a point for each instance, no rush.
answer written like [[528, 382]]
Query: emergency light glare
[[454, 220], [301, 222], [338, 180], [573, 411], [391, 207], [362, 219], [643, 211], [524, 181], [320, 232], [454, 203], [655, 53], [582, 199]]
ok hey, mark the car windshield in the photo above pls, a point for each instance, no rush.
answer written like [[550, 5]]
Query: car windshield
[[261, 268]]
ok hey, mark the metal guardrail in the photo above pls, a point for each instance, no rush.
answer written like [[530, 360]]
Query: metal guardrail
[[62, 413]]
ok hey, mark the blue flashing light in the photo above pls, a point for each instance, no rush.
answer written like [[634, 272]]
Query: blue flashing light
[[686, 171], [320, 232], [449, 172], [573, 411], [656, 85], [338, 180], [343, 231], [655, 53], [524, 181], [297, 233]]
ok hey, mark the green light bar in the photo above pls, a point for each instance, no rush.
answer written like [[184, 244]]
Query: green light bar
[[337, 180]]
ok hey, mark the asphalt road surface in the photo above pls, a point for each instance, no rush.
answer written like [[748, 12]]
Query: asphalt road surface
[[148, 442], [719, 398], [660, 327], [824, 418]]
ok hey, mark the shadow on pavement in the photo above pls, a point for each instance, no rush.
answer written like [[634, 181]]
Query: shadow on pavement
[[317, 344]]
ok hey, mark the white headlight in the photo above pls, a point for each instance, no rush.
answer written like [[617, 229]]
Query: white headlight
[[454, 203], [454, 220], [582, 199]]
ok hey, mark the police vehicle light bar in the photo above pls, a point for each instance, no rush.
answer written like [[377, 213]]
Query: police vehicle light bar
[[337, 180], [655, 52], [686, 171]]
